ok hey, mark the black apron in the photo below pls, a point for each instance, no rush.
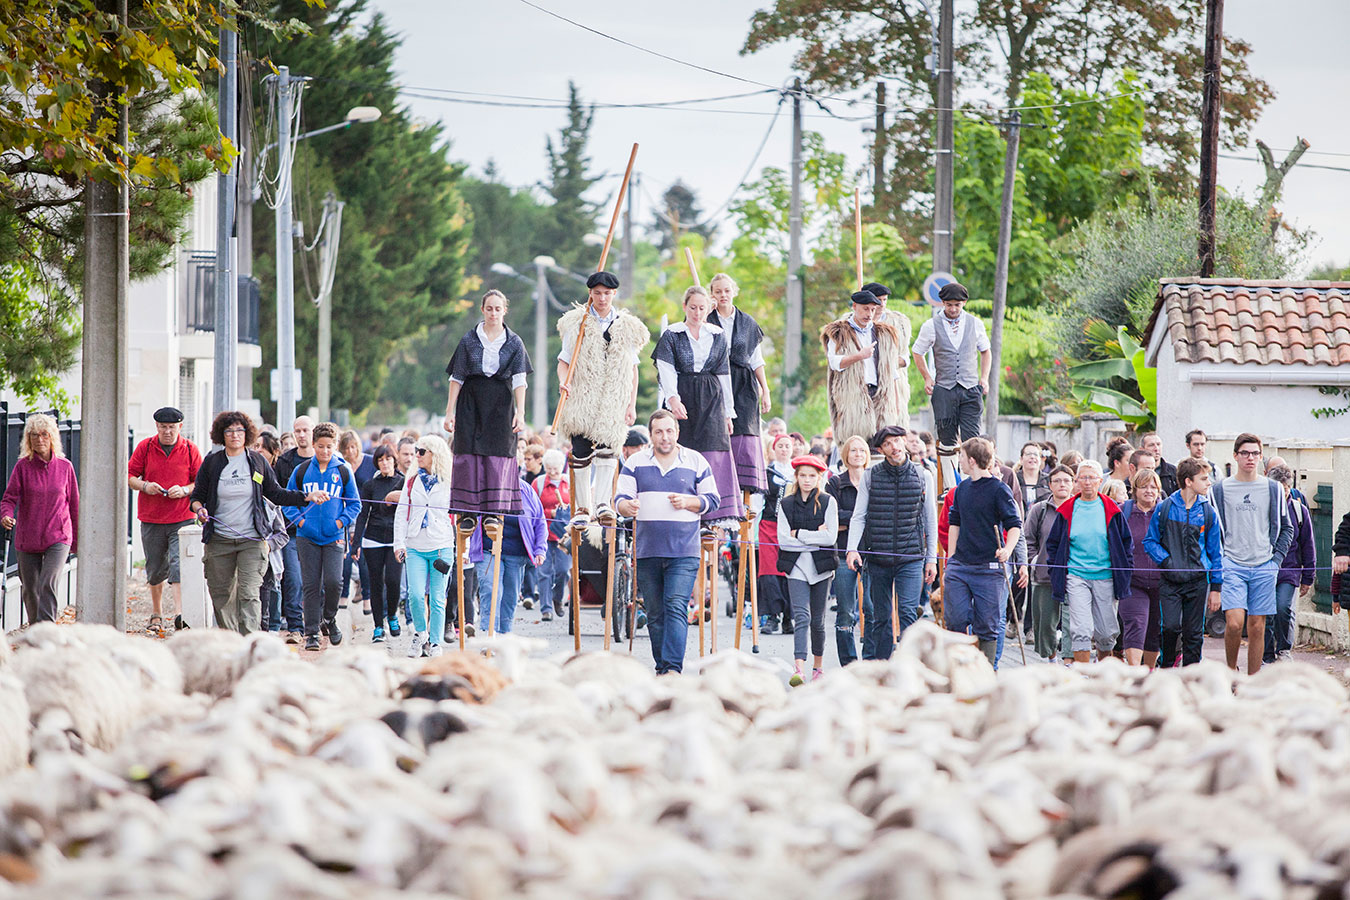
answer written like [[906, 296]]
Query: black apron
[[745, 398], [483, 414], [706, 428]]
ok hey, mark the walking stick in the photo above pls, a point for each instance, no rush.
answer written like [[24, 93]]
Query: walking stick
[[461, 536], [604, 254], [698, 590], [714, 549], [741, 567], [492, 528], [857, 231], [862, 615], [1017, 615], [895, 618]]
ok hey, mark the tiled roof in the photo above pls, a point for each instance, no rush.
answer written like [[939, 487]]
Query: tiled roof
[[1211, 320]]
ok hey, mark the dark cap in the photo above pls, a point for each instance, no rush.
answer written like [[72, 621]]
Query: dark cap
[[887, 431], [877, 288], [168, 415], [952, 291], [635, 438], [604, 280], [866, 298]]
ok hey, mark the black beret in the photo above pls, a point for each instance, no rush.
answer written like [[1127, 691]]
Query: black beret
[[635, 438], [168, 415], [953, 291], [877, 288], [604, 280], [866, 297], [887, 431]]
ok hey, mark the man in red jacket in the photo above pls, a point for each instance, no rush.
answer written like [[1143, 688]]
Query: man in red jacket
[[163, 469]]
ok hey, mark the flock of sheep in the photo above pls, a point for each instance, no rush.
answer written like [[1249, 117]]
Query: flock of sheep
[[218, 766]]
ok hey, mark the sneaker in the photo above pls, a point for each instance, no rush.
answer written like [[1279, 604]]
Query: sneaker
[[415, 644], [394, 629], [469, 630], [1284, 656], [547, 616], [433, 650], [817, 674], [796, 680], [377, 636], [527, 602], [312, 642], [334, 634], [294, 637], [323, 626]]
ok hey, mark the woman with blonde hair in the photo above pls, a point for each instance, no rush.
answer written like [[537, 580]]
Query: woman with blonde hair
[[854, 455], [41, 506], [424, 535], [749, 385]]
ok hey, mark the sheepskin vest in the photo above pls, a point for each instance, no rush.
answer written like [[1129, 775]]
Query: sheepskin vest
[[853, 409], [603, 375], [894, 516]]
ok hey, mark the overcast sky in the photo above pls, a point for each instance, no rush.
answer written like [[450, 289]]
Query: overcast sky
[[507, 47]]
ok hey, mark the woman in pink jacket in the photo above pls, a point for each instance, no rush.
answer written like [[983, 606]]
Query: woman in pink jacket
[[41, 506]]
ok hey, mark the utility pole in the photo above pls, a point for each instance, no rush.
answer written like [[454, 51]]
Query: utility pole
[[879, 148], [243, 210], [332, 234], [1014, 126], [541, 384], [225, 369], [626, 262], [792, 341], [283, 85], [943, 209], [1209, 135], [101, 567]]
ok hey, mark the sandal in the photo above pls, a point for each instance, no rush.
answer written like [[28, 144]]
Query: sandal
[[155, 627]]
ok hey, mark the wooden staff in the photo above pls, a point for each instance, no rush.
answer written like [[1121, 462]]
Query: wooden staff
[[741, 566], [857, 231], [862, 615], [895, 618], [693, 267], [698, 592], [604, 255]]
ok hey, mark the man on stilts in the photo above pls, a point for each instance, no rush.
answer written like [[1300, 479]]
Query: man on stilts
[[867, 388], [960, 377]]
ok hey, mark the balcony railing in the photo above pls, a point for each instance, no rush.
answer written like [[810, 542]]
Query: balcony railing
[[198, 306]]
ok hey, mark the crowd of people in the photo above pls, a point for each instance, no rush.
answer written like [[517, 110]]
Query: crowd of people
[[1080, 558]]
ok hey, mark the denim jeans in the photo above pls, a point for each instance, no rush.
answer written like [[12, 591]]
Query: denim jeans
[[1279, 631], [905, 580], [846, 618], [425, 583], [292, 588], [554, 575], [666, 583], [512, 576]]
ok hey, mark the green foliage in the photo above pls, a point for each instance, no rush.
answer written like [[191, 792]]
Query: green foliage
[[39, 336], [1119, 382], [405, 226], [572, 216]]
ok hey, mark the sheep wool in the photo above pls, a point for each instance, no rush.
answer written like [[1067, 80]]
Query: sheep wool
[[602, 376]]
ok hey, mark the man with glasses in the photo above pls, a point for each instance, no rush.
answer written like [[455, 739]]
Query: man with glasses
[[163, 469], [1256, 536]]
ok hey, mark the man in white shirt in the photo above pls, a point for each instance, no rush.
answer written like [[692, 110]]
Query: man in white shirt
[[960, 377], [867, 389]]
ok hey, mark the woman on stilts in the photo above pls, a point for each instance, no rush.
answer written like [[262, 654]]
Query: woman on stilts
[[488, 375], [693, 369]]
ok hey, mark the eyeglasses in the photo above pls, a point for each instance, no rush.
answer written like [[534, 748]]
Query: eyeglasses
[[1249, 454], [236, 430], [421, 451]]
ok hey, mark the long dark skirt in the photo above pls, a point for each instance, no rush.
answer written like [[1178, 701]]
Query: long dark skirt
[[485, 485], [748, 451], [728, 488]]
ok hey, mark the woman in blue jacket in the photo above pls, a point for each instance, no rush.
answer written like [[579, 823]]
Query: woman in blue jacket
[[321, 538], [1090, 556]]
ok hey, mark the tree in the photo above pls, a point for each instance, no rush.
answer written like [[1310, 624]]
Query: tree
[[573, 216], [848, 45], [679, 214], [405, 226]]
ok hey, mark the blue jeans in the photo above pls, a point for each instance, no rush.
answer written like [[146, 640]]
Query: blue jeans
[[292, 588], [554, 573], [513, 571], [846, 618], [425, 581], [1278, 637], [666, 583], [905, 579], [973, 601]]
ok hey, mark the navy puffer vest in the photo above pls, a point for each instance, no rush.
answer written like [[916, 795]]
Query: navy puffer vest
[[894, 533]]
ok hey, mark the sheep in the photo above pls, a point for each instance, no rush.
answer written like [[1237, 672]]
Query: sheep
[[14, 725], [213, 659]]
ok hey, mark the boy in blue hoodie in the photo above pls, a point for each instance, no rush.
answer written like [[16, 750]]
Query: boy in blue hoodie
[[1186, 541], [321, 538]]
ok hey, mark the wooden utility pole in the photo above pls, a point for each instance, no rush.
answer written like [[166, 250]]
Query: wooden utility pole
[[879, 149], [1014, 126], [1209, 135], [792, 338]]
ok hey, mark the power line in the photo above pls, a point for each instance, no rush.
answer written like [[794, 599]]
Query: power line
[[596, 103], [1301, 165]]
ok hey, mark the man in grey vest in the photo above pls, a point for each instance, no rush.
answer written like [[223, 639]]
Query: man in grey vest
[[894, 523], [960, 376]]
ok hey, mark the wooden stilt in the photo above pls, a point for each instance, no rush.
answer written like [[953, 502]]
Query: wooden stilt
[[492, 528], [743, 553], [754, 600], [698, 593], [612, 538], [632, 590], [713, 550], [461, 538], [576, 590]]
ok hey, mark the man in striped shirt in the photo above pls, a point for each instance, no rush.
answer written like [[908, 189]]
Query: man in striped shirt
[[667, 488]]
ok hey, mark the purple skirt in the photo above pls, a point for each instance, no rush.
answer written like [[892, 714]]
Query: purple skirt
[[748, 451], [728, 488], [485, 484]]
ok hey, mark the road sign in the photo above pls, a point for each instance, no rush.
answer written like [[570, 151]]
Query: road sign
[[276, 383], [933, 283]]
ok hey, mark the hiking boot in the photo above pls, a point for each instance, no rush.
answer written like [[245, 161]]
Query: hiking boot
[[312, 642]]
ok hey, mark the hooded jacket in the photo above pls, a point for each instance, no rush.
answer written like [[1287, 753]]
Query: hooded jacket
[[1118, 545]]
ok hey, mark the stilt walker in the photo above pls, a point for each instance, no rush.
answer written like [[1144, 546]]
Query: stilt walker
[[488, 375], [597, 371], [960, 377]]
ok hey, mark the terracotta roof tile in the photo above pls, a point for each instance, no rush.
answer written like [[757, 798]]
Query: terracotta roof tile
[[1259, 322]]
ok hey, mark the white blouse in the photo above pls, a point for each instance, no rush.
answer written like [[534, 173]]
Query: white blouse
[[668, 379], [492, 357], [756, 358]]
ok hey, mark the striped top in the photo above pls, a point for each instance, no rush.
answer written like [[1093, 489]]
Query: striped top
[[664, 530]]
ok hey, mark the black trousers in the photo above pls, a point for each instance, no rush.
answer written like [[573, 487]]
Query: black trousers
[[321, 570], [386, 576], [958, 413], [1183, 618]]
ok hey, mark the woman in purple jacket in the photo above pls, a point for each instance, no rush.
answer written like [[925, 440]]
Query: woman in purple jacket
[[1296, 572], [42, 507]]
